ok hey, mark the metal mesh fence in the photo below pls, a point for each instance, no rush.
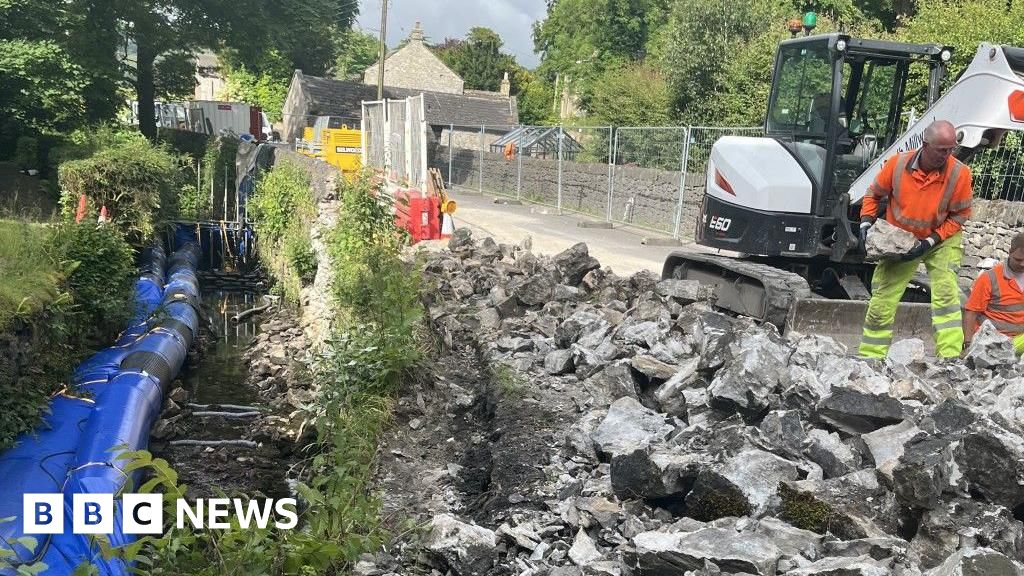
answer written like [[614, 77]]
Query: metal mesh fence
[[397, 141], [417, 143], [650, 177], [373, 129], [647, 176], [584, 177], [999, 172], [702, 138]]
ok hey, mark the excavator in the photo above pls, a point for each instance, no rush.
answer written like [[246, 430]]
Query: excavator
[[779, 216]]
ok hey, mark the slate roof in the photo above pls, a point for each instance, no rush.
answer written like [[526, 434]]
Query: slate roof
[[329, 97]]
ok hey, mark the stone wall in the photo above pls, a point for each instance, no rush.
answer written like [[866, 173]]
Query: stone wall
[[414, 66], [641, 196], [316, 310]]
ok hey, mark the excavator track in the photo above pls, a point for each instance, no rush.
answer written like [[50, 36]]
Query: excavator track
[[745, 287]]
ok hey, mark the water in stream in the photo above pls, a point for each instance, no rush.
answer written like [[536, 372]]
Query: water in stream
[[215, 376]]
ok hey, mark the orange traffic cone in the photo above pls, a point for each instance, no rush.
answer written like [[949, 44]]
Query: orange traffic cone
[[80, 213]]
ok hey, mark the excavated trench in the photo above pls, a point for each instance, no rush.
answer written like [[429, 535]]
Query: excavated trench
[[205, 430]]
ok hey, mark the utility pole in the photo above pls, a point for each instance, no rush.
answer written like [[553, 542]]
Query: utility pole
[[383, 48]]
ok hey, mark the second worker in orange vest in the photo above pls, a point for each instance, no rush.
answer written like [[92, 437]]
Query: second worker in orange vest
[[998, 296], [929, 194]]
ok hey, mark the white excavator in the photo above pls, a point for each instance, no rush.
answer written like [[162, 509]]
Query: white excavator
[[785, 207]]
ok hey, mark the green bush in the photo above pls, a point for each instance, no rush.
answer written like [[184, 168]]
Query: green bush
[[281, 209], [136, 181], [26, 153], [218, 167], [298, 251], [101, 279]]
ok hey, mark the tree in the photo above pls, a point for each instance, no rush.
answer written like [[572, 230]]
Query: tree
[[582, 38], [617, 101], [356, 51], [478, 59], [174, 76], [297, 30], [59, 68], [41, 86]]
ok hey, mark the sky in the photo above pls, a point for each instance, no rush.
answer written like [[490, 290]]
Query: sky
[[511, 19]]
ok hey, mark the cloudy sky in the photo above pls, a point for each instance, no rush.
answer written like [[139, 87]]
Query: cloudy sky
[[511, 19]]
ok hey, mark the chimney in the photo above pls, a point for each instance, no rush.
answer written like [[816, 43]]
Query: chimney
[[506, 86], [417, 33]]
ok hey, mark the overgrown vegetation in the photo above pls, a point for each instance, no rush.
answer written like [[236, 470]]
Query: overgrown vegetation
[[69, 286], [282, 209], [137, 182]]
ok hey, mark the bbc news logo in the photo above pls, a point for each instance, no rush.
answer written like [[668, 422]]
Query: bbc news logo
[[144, 513]]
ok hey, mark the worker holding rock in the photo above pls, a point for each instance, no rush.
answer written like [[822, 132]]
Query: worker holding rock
[[998, 296], [929, 194]]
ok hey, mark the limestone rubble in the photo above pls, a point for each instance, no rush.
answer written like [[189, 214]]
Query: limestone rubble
[[702, 443]]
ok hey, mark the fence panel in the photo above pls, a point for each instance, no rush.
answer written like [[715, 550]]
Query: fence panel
[[499, 172], [585, 168], [396, 141], [645, 186], [702, 138], [375, 135], [416, 143], [999, 172]]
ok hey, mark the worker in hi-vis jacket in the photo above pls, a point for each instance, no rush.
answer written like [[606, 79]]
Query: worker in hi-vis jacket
[[998, 296], [929, 194]]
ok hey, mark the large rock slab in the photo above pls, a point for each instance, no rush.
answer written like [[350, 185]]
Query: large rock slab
[[857, 411], [574, 263], [991, 457], [886, 241], [828, 451], [886, 444], [629, 426], [842, 566], [654, 473], [853, 506], [964, 523], [752, 375], [671, 554], [977, 562], [923, 472], [743, 485], [467, 549], [990, 349]]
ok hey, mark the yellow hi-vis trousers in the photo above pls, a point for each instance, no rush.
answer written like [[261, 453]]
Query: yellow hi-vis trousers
[[890, 281]]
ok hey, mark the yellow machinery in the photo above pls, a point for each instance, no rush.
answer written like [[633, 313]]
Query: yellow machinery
[[332, 141]]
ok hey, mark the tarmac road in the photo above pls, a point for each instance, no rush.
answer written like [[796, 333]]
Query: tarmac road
[[619, 248]]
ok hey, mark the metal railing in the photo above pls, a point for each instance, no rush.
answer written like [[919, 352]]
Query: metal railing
[[650, 177]]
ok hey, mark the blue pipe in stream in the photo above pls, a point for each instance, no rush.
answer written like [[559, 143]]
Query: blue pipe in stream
[[71, 452]]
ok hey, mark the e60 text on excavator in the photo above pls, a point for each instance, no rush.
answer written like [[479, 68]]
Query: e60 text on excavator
[[788, 203]]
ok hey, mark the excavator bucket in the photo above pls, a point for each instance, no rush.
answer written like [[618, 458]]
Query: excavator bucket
[[843, 320]]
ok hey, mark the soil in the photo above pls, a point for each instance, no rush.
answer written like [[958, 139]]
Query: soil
[[473, 441]]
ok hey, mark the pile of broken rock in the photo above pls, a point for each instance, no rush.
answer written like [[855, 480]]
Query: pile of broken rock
[[707, 444]]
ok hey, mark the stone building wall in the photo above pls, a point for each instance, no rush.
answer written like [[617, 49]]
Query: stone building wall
[[414, 66]]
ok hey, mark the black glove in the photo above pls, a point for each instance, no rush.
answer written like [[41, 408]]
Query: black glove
[[919, 249]]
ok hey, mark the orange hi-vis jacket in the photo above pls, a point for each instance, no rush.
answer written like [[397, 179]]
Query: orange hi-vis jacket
[[926, 203], [996, 296]]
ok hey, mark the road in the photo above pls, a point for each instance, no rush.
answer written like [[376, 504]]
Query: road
[[619, 248]]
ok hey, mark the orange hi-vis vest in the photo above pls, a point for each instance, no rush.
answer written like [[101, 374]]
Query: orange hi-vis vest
[[996, 296], [925, 203]]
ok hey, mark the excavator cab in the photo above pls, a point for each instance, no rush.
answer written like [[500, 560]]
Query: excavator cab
[[838, 102]]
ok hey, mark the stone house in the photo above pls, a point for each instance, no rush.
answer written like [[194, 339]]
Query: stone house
[[450, 110], [210, 81]]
